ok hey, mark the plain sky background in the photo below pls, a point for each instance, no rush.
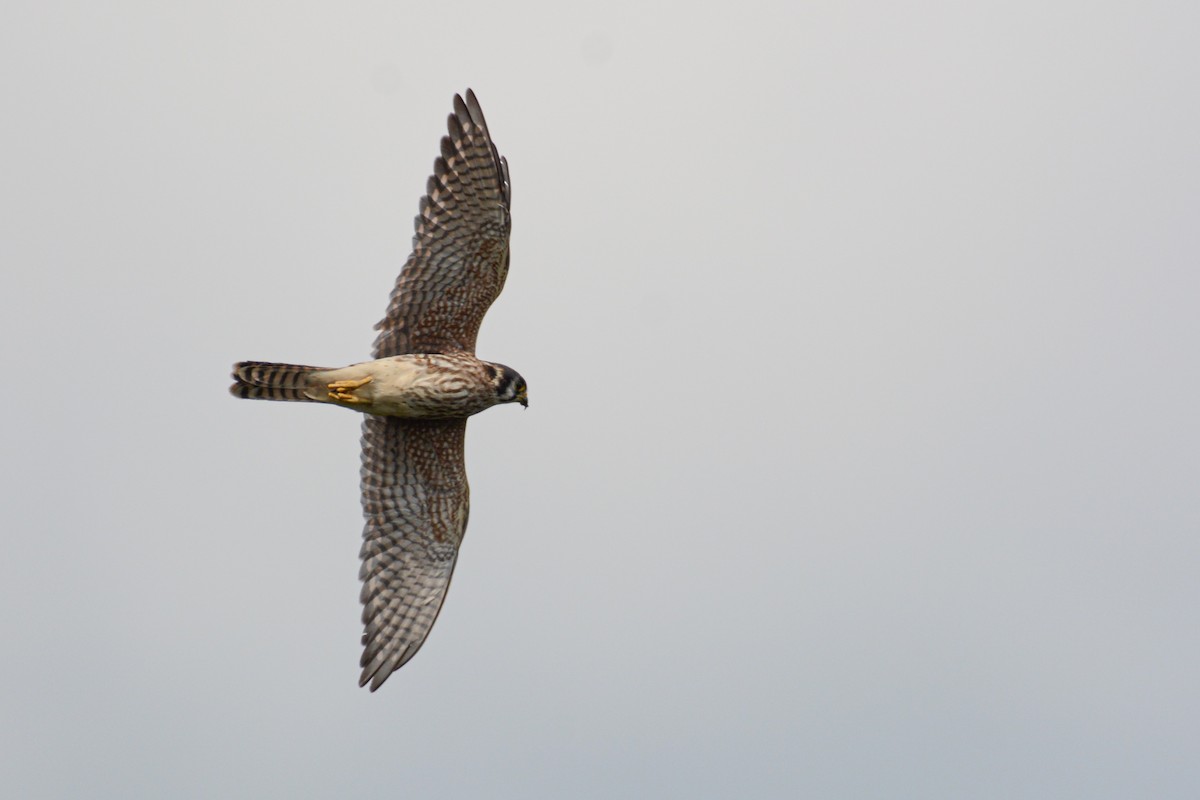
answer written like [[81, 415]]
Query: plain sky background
[[863, 452]]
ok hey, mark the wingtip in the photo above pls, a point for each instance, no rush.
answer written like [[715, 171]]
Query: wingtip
[[473, 110], [374, 677], [461, 112]]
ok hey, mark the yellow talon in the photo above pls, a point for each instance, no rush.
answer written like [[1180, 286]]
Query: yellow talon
[[343, 391]]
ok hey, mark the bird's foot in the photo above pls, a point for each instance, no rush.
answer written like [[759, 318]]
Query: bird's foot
[[343, 391]]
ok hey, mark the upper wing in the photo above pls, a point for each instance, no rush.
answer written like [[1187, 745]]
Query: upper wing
[[460, 250], [415, 499]]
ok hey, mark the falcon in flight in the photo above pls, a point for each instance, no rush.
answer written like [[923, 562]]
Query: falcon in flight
[[418, 391]]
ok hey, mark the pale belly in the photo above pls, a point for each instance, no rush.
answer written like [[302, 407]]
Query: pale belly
[[425, 386]]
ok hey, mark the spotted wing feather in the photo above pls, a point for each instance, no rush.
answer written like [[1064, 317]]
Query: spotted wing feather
[[460, 251], [415, 498]]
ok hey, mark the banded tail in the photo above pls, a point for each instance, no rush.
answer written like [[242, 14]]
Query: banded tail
[[262, 380]]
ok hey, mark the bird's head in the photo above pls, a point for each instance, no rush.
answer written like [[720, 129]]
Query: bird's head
[[510, 386]]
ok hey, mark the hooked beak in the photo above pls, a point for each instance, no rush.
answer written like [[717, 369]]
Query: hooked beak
[[523, 399]]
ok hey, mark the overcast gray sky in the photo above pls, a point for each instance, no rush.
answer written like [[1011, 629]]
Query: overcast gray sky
[[863, 449]]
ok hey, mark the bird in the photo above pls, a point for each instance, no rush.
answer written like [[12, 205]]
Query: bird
[[416, 394]]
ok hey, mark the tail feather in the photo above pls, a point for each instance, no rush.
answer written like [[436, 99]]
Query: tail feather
[[262, 380]]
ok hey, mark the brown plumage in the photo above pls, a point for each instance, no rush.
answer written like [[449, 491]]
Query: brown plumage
[[418, 391], [262, 380]]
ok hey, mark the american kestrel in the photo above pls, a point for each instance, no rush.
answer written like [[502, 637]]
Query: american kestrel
[[418, 392]]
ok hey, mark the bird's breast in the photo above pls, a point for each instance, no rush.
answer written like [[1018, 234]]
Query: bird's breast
[[427, 386]]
